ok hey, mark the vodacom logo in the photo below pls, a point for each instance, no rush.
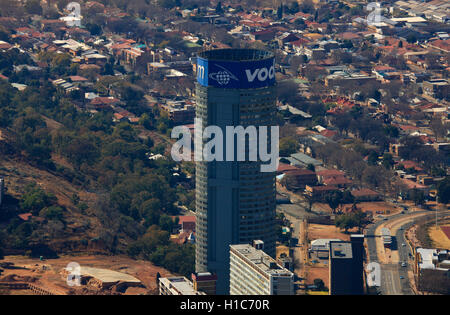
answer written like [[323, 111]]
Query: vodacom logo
[[261, 74]]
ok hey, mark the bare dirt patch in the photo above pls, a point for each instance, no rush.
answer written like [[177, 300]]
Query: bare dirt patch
[[318, 273], [438, 237], [47, 273], [379, 207], [316, 231]]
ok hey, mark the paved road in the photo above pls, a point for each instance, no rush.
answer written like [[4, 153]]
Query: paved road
[[391, 284], [390, 280], [391, 274]]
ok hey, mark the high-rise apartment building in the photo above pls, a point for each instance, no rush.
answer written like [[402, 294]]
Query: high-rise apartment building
[[235, 200], [253, 272]]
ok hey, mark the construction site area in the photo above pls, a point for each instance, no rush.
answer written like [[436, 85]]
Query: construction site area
[[78, 275]]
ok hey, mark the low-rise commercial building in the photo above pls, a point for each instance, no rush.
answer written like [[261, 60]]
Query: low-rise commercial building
[[180, 112], [432, 270]]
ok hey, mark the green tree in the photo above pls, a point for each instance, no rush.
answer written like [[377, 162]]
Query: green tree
[[443, 190], [288, 146], [334, 200], [350, 220], [418, 197], [320, 285], [33, 7], [219, 7], [280, 12], [35, 199], [411, 38], [52, 213], [388, 161]]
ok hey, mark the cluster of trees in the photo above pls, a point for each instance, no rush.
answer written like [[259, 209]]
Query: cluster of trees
[[156, 246], [351, 220], [36, 200], [339, 198], [31, 235], [288, 146], [443, 189], [59, 64], [12, 57], [134, 192], [414, 149], [374, 176], [366, 128]]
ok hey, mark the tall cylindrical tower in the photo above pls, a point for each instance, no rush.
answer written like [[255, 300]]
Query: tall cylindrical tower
[[235, 201]]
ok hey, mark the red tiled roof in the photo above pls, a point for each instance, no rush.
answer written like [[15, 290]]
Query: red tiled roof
[[324, 188], [364, 192], [300, 171], [330, 173], [25, 216], [104, 100], [186, 218], [118, 116], [348, 35], [283, 167], [410, 164], [408, 127], [383, 68], [411, 184], [75, 78], [441, 44], [336, 180], [300, 42], [328, 133]]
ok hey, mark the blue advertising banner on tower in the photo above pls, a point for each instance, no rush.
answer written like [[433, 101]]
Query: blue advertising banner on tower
[[236, 74]]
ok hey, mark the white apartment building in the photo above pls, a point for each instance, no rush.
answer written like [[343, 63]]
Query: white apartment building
[[177, 286], [253, 272]]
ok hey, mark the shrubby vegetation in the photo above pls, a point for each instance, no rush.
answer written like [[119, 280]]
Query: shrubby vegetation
[[138, 196], [351, 220]]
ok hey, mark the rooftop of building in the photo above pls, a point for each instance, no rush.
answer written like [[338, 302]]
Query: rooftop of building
[[341, 250], [306, 159], [260, 260], [429, 258], [324, 242], [180, 285], [107, 276]]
